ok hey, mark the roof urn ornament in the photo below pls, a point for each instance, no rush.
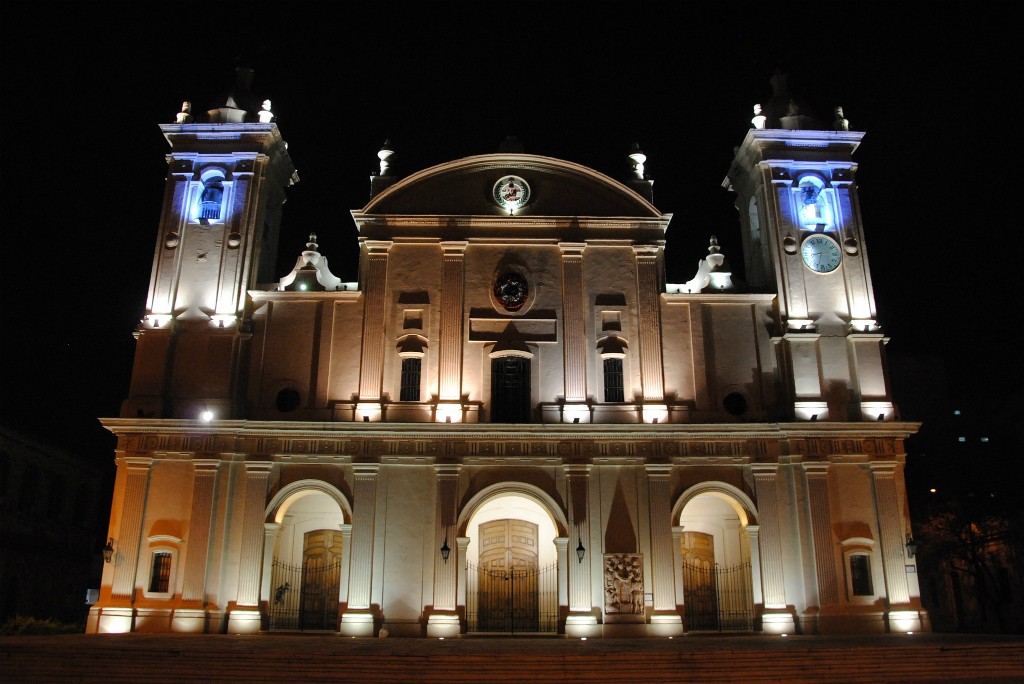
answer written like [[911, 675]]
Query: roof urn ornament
[[759, 118], [637, 159], [185, 115], [841, 123]]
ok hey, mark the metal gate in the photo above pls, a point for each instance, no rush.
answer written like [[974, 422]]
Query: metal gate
[[304, 596], [516, 600], [718, 598]]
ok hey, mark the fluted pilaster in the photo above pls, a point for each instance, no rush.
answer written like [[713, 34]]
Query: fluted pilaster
[[126, 559], [662, 570], [363, 514], [250, 562], [375, 282], [821, 530], [450, 343], [204, 485], [649, 333], [577, 479], [574, 342], [772, 579], [891, 533], [445, 572]]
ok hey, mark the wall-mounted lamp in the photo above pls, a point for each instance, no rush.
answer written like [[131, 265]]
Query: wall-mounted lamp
[[445, 550], [580, 551], [911, 546], [108, 550]]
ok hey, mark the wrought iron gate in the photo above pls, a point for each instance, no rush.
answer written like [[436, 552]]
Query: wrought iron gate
[[304, 596], [516, 600], [718, 598]]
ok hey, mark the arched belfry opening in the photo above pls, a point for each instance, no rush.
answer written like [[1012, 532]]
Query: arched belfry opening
[[306, 558], [514, 549], [716, 547]]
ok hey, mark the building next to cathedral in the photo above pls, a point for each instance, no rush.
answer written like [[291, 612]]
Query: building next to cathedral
[[511, 423]]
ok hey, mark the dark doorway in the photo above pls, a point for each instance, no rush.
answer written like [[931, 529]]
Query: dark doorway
[[510, 390]]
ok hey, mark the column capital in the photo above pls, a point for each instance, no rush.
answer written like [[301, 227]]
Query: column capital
[[572, 248], [816, 468], [447, 469], [206, 466], [366, 470], [884, 468], [454, 248], [646, 251], [378, 247], [658, 470], [136, 462], [576, 469], [257, 468]]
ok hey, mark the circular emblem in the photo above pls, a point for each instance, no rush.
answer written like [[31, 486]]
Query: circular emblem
[[511, 192], [511, 291]]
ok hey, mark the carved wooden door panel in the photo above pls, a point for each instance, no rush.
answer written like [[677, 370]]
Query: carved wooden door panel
[[321, 579], [699, 593], [508, 597]]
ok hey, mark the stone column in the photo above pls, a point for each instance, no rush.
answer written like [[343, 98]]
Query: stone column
[[776, 618], [358, 620], [821, 530], [204, 486], [463, 546], [371, 362], [891, 534], [562, 552], [444, 621], [450, 343], [677, 564], [346, 561], [581, 620], [129, 539], [245, 617], [649, 311], [574, 337]]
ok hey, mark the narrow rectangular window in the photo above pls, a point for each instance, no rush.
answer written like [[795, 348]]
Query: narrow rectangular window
[[860, 575], [160, 580], [410, 380], [613, 385]]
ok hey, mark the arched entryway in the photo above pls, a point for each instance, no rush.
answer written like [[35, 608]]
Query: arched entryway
[[512, 564], [306, 558], [715, 551]]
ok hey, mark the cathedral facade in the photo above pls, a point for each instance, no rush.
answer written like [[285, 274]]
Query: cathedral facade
[[511, 423]]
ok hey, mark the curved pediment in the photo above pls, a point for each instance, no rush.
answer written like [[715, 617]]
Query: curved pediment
[[465, 187]]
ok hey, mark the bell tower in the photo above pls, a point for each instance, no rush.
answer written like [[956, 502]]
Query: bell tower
[[217, 238], [803, 239]]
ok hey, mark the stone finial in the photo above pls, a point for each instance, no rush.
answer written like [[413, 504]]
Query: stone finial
[[384, 154], [185, 115], [759, 118], [841, 123], [637, 159]]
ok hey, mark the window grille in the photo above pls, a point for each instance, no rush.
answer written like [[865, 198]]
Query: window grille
[[410, 380], [860, 575], [160, 580], [613, 384]]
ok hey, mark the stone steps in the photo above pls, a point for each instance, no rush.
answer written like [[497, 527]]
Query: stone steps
[[275, 658]]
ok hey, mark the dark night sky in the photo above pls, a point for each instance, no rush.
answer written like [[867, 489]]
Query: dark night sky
[[84, 88]]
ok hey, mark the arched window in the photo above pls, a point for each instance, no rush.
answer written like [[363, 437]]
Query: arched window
[[812, 204]]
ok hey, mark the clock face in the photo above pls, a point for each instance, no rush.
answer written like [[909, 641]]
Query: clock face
[[821, 254], [511, 291], [511, 192]]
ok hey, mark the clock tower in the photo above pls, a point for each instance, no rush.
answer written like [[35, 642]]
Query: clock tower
[[225, 185], [803, 238]]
